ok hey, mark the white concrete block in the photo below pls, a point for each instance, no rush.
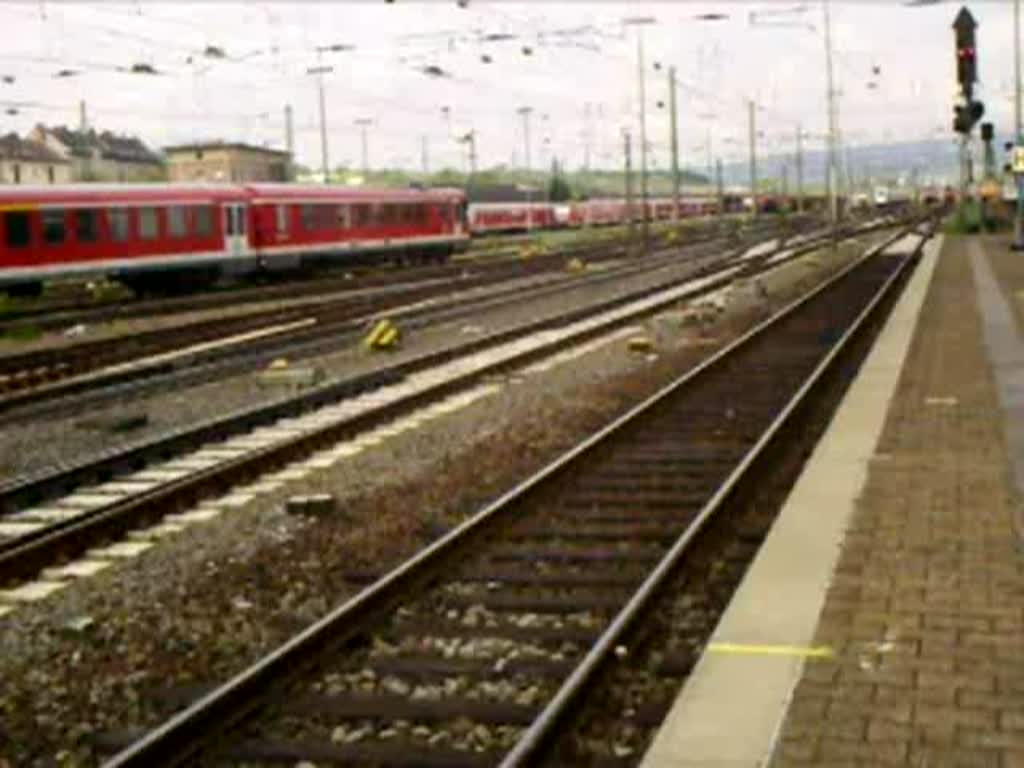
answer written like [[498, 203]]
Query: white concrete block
[[44, 514], [31, 592], [235, 500], [156, 532], [200, 515], [76, 569], [21, 528], [88, 500], [127, 487], [121, 550]]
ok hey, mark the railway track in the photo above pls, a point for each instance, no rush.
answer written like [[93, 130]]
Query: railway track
[[56, 314], [254, 341], [476, 650], [27, 376], [57, 516]]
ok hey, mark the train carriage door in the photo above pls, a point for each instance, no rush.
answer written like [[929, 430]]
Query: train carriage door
[[235, 229]]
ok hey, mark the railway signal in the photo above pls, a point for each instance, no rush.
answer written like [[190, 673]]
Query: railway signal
[[966, 52]]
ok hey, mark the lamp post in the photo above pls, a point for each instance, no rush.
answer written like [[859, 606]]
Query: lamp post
[[640, 22], [524, 112], [320, 71], [363, 123], [833, 197], [1018, 219]]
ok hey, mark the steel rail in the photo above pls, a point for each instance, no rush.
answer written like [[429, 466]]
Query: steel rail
[[33, 489], [179, 738], [540, 732], [24, 556]]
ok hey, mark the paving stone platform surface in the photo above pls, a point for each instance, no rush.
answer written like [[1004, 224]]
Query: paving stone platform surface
[[926, 608]]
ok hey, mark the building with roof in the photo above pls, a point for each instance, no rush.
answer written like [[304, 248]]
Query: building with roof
[[29, 162], [101, 156], [227, 162]]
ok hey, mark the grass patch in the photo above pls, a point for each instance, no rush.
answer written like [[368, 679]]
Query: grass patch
[[21, 333], [967, 219]]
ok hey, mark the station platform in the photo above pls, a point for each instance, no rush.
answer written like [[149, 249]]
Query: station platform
[[882, 621]]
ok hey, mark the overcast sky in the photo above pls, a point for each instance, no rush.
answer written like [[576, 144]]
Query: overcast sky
[[582, 62]]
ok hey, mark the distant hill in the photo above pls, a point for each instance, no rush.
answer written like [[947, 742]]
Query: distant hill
[[935, 160]]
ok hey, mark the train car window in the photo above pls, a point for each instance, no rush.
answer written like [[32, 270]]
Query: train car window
[[54, 228], [229, 220], [204, 220], [148, 228], [343, 217], [360, 215], [177, 225], [239, 220], [119, 226], [87, 225], [282, 219], [308, 215], [325, 217], [17, 231]]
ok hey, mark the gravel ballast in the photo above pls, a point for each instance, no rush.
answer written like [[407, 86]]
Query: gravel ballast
[[204, 603], [39, 445]]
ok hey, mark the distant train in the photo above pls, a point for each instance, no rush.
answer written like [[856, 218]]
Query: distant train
[[487, 218]]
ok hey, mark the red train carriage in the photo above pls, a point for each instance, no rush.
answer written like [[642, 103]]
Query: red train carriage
[[487, 218], [58, 231], [178, 235], [312, 224]]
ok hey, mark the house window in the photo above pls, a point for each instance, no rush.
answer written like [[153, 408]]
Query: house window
[[176, 224], [53, 226], [204, 220], [17, 174], [17, 232], [148, 228], [50, 174], [119, 224], [87, 225]]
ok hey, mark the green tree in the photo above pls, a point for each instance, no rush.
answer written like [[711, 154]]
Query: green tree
[[558, 188]]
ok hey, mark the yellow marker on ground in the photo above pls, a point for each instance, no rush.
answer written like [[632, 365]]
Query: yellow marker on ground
[[812, 651], [383, 336]]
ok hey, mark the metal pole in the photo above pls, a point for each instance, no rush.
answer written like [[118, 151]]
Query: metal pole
[[720, 186], [366, 151], [525, 114], [586, 136], [833, 198], [675, 142], [963, 167], [753, 156], [323, 120], [628, 154], [289, 142], [1018, 219], [799, 170], [643, 134]]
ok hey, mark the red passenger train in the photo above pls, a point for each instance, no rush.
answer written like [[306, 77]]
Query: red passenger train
[[162, 235]]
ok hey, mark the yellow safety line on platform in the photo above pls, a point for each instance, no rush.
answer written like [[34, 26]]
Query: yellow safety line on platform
[[819, 651]]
